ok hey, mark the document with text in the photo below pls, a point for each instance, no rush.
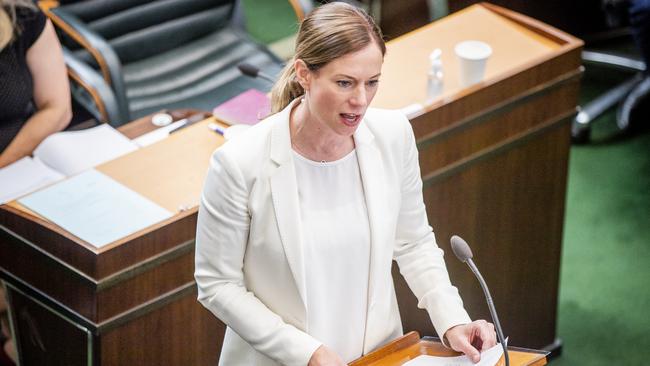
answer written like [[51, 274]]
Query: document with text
[[95, 208]]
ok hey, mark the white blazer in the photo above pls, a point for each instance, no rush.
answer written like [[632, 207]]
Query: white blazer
[[249, 264]]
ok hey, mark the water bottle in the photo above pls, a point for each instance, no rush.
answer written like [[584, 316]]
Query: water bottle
[[435, 77]]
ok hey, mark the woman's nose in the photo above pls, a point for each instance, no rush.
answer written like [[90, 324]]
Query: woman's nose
[[359, 98]]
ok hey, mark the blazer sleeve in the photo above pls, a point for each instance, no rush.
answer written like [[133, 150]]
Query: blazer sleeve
[[221, 239], [419, 258]]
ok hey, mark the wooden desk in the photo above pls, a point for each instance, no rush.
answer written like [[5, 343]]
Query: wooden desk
[[132, 302], [494, 160], [410, 346]]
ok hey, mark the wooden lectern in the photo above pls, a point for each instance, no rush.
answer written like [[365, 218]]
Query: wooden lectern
[[493, 158], [410, 346]]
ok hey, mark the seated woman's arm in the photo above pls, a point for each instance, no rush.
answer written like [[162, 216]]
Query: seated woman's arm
[[51, 96]]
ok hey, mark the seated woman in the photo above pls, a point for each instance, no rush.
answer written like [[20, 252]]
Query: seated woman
[[35, 95], [303, 214]]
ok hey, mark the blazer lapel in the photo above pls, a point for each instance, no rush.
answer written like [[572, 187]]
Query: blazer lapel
[[373, 178], [284, 193]]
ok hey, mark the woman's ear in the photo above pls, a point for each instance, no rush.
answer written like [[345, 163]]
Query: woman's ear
[[303, 74]]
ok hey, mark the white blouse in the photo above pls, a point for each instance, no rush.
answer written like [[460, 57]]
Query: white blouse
[[336, 239]]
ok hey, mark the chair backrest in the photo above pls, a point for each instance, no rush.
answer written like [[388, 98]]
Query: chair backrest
[[138, 29]]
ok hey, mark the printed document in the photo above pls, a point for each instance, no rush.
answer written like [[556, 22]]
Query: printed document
[[95, 208]]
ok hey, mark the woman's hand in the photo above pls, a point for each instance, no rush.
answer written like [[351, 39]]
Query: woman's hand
[[472, 338], [323, 356]]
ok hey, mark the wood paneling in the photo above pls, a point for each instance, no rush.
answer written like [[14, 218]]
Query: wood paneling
[[182, 333], [493, 158]]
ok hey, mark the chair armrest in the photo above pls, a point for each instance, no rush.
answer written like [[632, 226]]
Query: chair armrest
[[617, 60], [98, 47], [91, 91]]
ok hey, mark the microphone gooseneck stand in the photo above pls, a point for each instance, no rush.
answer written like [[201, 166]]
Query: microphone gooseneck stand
[[463, 252], [493, 311]]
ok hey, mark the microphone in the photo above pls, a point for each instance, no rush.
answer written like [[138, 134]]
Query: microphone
[[254, 72], [464, 254]]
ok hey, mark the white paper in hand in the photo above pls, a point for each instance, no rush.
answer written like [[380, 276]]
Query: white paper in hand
[[489, 357]]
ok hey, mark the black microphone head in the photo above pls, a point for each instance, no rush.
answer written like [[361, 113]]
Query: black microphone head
[[248, 69], [461, 248]]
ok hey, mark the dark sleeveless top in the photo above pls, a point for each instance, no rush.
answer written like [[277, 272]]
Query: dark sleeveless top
[[16, 86]]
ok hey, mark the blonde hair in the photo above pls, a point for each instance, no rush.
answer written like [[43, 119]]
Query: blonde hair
[[330, 31], [8, 25]]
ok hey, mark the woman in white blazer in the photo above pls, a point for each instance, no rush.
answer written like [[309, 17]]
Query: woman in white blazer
[[302, 215]]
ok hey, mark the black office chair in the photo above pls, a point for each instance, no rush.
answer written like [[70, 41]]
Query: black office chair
[[129, 58], [630, 93]]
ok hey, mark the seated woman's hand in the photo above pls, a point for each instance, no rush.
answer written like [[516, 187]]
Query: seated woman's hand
[[323, 356], [472, 338]]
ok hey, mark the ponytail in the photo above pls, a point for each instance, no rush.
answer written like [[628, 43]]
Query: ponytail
[[285, 89]]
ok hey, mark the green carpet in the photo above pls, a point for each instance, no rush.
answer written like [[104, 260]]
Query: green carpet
[[605, 278]]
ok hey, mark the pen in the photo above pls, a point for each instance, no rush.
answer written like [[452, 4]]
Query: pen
[[189, 121], [216, 128]]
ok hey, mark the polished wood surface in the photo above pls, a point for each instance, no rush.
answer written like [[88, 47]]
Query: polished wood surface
[[514, 49], [493, 160], [154, 171], [411, 346]]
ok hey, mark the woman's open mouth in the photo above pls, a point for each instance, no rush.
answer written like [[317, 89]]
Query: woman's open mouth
[[350, 119]]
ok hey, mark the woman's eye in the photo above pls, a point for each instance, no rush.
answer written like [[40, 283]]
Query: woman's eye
[[344, 83], [373, 83]]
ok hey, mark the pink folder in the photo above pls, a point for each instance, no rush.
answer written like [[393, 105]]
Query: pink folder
[[247, 108]]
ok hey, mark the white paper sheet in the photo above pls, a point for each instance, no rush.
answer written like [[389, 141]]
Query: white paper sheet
[[24, 176], [71, 152], [488, 358], [95, 208]]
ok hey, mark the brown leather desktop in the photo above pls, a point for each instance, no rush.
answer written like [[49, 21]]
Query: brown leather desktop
[[493, 158]]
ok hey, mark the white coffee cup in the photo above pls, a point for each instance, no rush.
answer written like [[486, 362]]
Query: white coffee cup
[[472, 56]]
